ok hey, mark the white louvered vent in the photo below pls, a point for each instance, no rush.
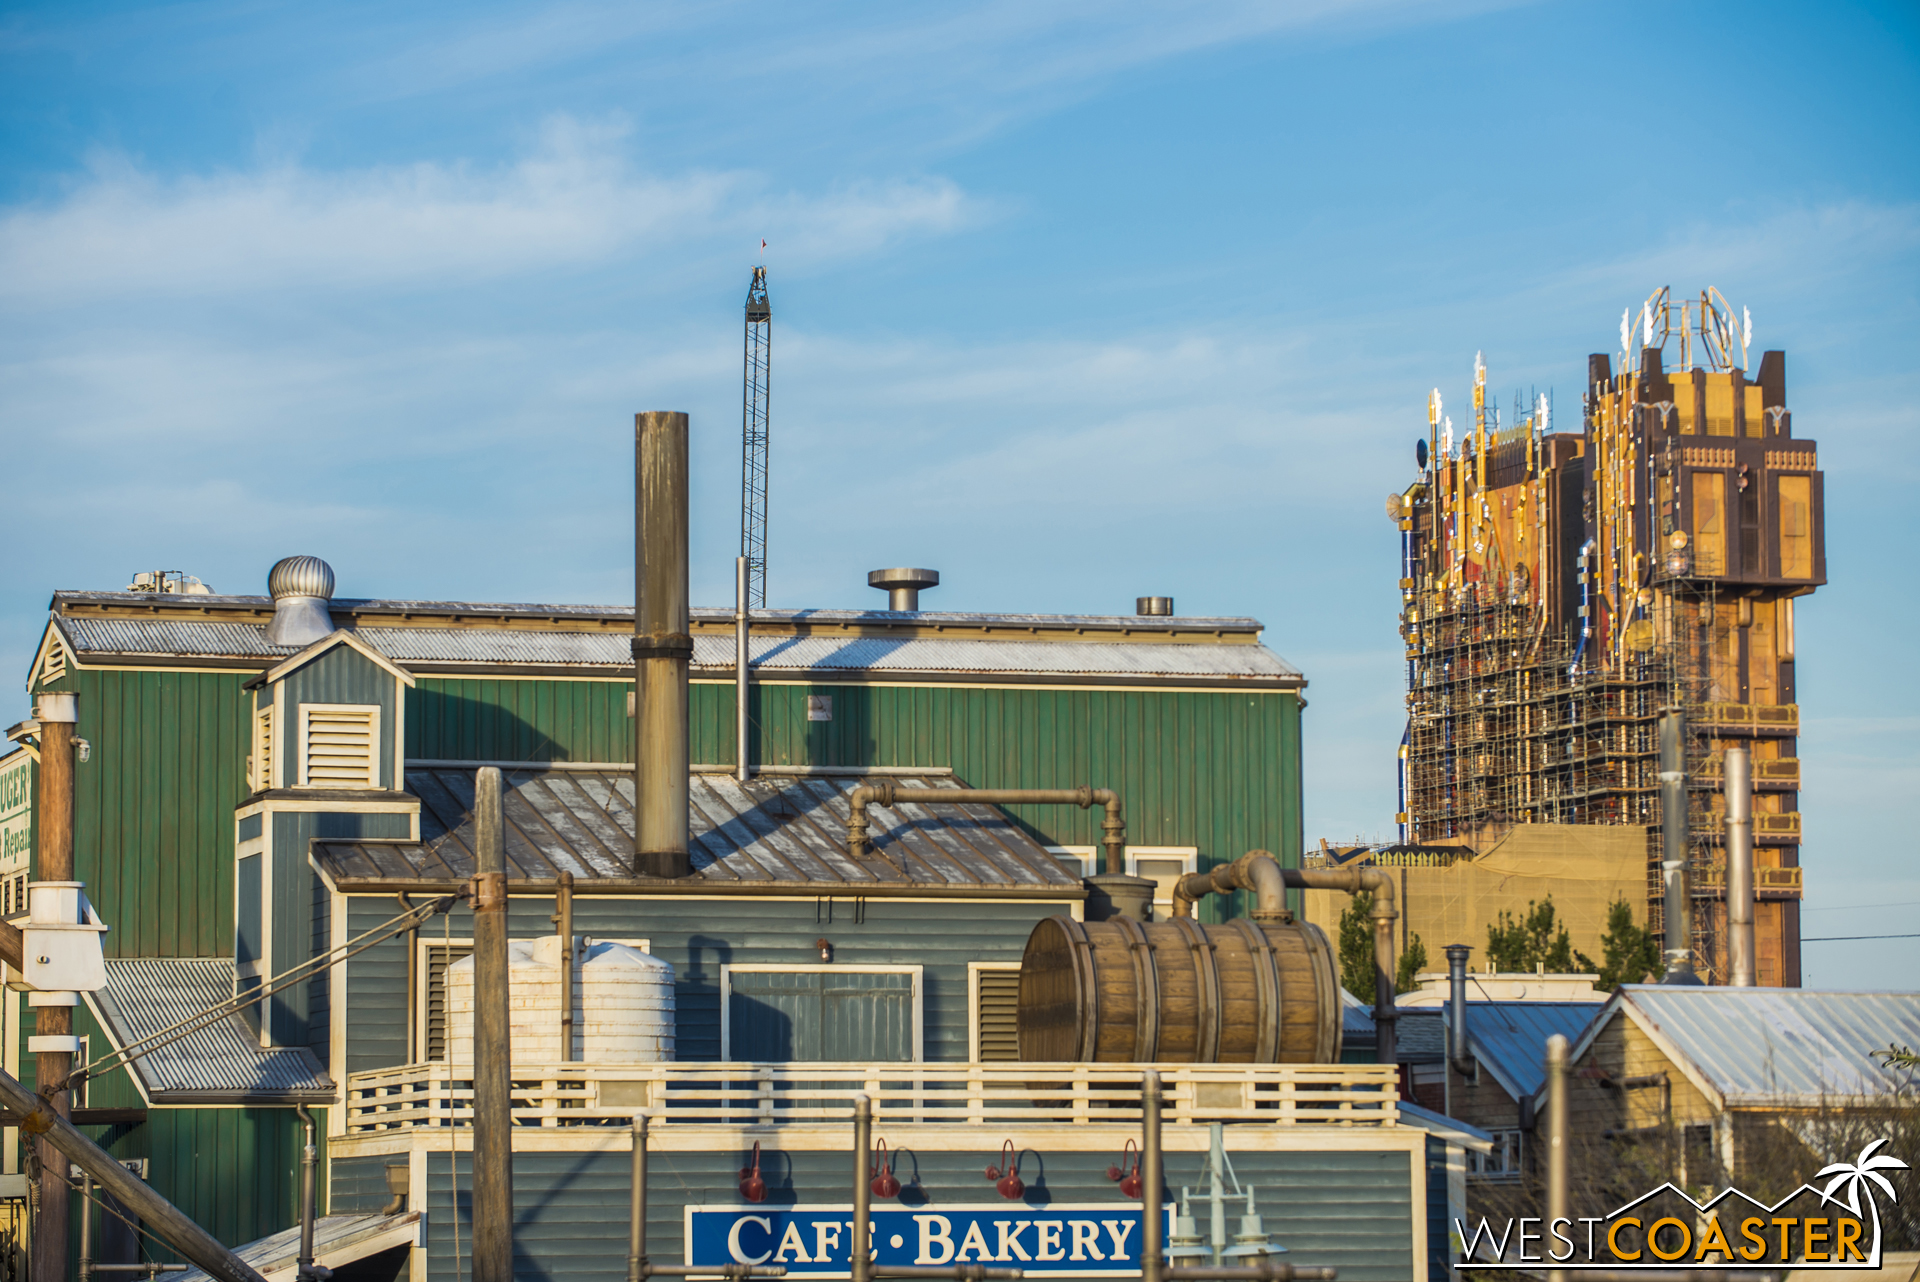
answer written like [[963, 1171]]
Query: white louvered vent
[[999, 1015], [55, 665], [262, 760], [339, 745]]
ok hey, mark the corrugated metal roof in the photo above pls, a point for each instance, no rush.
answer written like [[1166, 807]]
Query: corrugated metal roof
[[772, 831], [1784, 1047], [162, 637], [222, 1063], [1510, 1038], [337, 1240]]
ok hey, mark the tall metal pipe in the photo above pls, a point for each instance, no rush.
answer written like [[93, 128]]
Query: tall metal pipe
[[1457, 955], [662, 644], [563, 922], [1151, 1249], [1674, 889], [743, 770], [860, 1250], [58, 715], [163, 1218], [1738, 781], [492, 1043], [309, 1166], [637, 1225], [1556, 1140]]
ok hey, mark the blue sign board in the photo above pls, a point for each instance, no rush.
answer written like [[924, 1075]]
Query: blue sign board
[[1083, 1239]]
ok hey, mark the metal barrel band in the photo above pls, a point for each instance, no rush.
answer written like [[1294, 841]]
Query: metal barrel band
[[671, 645]]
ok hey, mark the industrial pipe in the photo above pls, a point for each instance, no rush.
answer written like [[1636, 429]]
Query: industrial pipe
[[1457, 1051], [639, 1267], [741, 568], [305, 1269], [1738, 782], [492, 1043], [886, 793], [1674, 891], [165, 1219], [662, 645], [1260, 872], [53, 1044], [1556, 1140]]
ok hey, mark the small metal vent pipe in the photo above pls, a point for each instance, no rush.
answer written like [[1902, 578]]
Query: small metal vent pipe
[[1259, 872], [1738, 781], [903, 586], [1158, 607], [1674, 890], [1556, 1066], [742, 568], [1457, 955], [662, 645]]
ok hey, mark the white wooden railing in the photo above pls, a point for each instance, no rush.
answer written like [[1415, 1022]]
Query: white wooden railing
[[432, 1095]]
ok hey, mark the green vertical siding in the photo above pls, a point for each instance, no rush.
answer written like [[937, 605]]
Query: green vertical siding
[[1217, 770], [153, 822]]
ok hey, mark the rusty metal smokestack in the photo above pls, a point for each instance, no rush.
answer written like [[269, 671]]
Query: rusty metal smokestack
[[662, 644], [1738, 778], [1674, 889]]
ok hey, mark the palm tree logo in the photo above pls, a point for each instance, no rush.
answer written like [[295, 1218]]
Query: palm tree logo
[[1855, 1175]]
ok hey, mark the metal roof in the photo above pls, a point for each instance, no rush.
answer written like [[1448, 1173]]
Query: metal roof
[[770, 833], [337, 1240], [223, 1063], [1773, 1047], [1510, 1038], [1135, 657]]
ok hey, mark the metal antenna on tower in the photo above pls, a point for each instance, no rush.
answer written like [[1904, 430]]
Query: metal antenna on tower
[[753, 438]]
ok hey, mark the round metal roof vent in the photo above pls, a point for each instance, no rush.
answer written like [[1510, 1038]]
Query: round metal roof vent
[[301, 586], [903, 585], [1155, 606]]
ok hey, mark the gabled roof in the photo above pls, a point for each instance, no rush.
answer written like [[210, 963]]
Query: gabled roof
[[842, 645], [1770, 1047], [221, 1064], [338, 637], [774, 834], [1510, 1038]]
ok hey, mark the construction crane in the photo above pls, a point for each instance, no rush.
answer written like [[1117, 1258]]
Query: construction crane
[[753, 438]]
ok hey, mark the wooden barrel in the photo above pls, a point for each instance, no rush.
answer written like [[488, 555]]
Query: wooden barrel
[[1178, 992]]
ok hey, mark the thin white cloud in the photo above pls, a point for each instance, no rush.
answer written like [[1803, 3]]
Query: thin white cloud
[[574, 200]]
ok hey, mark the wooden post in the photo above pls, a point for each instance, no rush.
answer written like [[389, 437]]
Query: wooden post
[[563, 922], [492, 1044], [53, 1012]]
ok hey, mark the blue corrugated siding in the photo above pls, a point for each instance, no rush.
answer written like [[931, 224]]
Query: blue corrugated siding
[[1437, 1226], [1348, 1210], [698, 936], [246, 933], [296, 905]]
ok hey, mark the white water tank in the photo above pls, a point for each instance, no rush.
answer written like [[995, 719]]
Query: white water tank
[[622, 1004]]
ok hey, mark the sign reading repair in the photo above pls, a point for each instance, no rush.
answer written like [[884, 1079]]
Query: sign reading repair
[[1083, 1239]]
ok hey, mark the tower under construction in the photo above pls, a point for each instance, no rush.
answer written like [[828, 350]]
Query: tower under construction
[[1560, 589]]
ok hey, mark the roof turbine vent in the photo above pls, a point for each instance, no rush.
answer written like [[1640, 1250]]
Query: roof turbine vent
[[1157, 607], [903, 586], [301, 587]]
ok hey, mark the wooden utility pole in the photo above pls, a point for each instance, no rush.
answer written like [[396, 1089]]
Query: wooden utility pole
[[492, 1046], [53, 1041]]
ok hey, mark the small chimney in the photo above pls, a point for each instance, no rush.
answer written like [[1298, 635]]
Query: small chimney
[[1158, 607], [301, 586], [903, 586], [1457, 955]]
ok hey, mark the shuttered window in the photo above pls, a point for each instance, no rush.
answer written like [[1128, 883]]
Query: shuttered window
[[439, 957], [996, 1011], [339, 745], [262, 750]]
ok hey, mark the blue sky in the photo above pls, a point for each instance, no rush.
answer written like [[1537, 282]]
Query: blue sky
[[1074, 302]]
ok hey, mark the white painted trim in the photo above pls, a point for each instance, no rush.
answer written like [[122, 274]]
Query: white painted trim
[[973, 1002], [1089, 857], [727, 969], [345, 805], [337, 1011], [307, 711], [1417, 1211], [279, 768], [1189, 857], [266, 922]]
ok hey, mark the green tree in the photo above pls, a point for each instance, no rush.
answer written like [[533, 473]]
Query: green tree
[[1630, 952], [1528, 942], [1356, 947], [1412, 961]]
